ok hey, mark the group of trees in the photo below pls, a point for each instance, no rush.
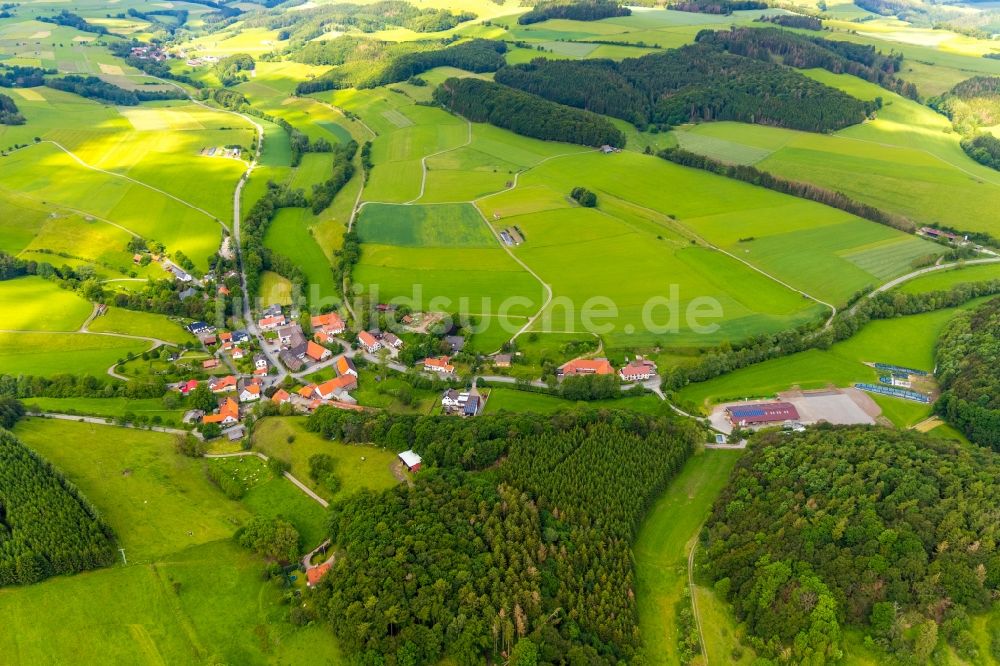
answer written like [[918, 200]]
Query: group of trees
[[968, 370], [177, 17], [725, 7], [92, 87], [230, 69], [18, 76], [984, 148], [525, 113], [343, 170], [71, 20], [693, 83], [9, 113], [78, 386], [531, 559], [891, 531], [885, 305], [366, 63], [804, 52], [798, 21], [305, 25], [972, 105], [257, 258], [584, 197], [584, 10], [46, 527], [275, 539]]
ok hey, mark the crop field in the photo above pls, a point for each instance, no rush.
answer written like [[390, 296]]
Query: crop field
[[183, 567], [660, 549], [907, 341], [35, 304], [357, 467], [142, 324], [438, 257], [290, 235], [47, 354]]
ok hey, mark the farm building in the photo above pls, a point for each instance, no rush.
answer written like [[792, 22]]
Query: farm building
[[638, 371], [411, 460], [345, 366], [222, 384], [369, 342], [763, 413], [271, 323], [586, 366], [440, 365]]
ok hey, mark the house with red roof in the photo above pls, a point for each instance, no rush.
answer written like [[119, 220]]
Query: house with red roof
[[229, 413], [345, 366], [761, 413], [222, 384], [439, 364], [280, 397], [317, 352], [315, 574], [327, 326], [188, 386], [210, 364], [250, 393], [637, 371], [369, 342], [330, 390], [271, 323], [586, 366]]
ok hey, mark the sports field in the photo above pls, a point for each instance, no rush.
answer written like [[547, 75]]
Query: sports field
[[183, 567]]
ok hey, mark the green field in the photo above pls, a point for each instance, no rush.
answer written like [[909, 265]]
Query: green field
[[289, 234], [109, 407], [662, 546], [907, 341], [188, 592], [513, 400], [444, 225], [939, 280], [47, 354], [35, 304], [357, 467], [142, 324]]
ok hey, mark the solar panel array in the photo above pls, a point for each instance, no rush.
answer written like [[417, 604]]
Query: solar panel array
[[900, 369], [894, 392]]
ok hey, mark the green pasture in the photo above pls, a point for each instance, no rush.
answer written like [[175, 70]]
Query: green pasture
[[275, 288], [906, 341], [20, 220], [661, 548], [444, 225], [291, 235], [941, 280], [109, 407], [47, 354], [357, 467], [35, 304], [46, 174], [188, 591], [513, 400], [142, 324], [64, 236]]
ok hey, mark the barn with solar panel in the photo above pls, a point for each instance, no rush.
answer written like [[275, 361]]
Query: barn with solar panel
[[762, 413]]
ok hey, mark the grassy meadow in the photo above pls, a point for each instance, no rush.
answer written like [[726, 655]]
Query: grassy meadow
[[183, 567], [142, 324], [47, 354], [36, 304]]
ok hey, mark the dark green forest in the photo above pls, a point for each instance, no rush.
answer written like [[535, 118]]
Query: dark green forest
[[9, 113], [690, 84], [892, 532], [46, 527], [476, 559], [725, 7], [584, 10], [524, 113], [805, 52], [968, 370], [367, 63], [92, 87]]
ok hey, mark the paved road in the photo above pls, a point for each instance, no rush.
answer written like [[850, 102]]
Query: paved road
[[923, 271]]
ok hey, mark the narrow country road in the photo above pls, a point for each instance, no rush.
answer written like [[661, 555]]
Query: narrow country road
[[924, 271]]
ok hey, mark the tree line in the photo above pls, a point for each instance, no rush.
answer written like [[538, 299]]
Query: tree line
[[968, 371], [18, 76], [724, 7], [524, 113], [78, 386], [528, 558], [797, 21], [47, 528], [890, 532], [71, 20], [256, 257], [342, 172], [366, 63], [585, 10], [805, 52], [92, 87], [884, 305], [694, 83]]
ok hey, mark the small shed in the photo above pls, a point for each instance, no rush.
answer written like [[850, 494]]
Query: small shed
[[411, 460]]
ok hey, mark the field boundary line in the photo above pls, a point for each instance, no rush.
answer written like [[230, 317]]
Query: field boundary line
[[517, 174], [423, 163], [694, 595], [72, 210], [128, 178], [336, 108]]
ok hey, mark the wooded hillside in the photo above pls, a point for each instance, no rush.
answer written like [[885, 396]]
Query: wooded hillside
[[893, 532], [968, 369]]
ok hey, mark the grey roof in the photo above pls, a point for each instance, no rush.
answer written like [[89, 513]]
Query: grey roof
[[456, 342]]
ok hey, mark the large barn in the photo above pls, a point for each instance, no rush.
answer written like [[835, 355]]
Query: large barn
[[763, 413]]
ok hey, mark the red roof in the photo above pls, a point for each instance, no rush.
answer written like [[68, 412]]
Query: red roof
[[588, 366], [329, 320], [315, 574], [188, 386], [439, 362], [762, 412], [280, 396], [210, 363], [227, 409], [315, 351], [344, 382], [367, 339]]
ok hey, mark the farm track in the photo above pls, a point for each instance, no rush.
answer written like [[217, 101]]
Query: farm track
[[423, 163], [924, 271], [694, 596]]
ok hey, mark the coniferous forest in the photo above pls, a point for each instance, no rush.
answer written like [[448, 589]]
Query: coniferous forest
[[968, 369], [690, 84], [525, 113], [586, 10], [531, 556], [890, 531], [46, 527]]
